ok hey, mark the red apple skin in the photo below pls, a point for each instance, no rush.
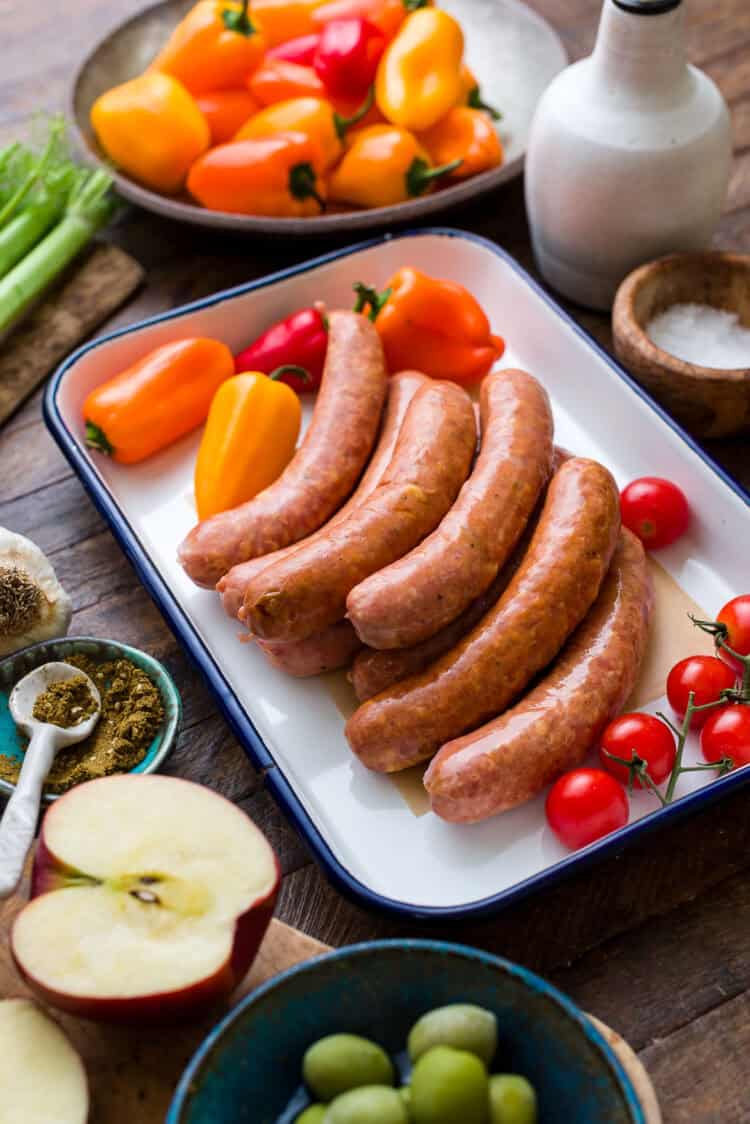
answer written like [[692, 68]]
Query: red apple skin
[[49, 874]]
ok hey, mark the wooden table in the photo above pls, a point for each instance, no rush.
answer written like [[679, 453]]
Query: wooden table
[[654, 941]]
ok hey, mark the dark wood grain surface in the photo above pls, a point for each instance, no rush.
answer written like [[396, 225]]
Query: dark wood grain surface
[[655, 941]]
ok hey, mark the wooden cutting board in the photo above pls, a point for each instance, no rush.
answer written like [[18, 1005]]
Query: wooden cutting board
[[133, 1071]]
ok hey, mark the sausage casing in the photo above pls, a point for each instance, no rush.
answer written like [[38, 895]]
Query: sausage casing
[[307, 591], [429, 587], [511, 759], [549, 595], [328, 650], [401, 389], [324, 469]]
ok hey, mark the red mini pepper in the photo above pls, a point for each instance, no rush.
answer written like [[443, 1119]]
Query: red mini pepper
[[348, 54], [293, 350], [300, 50]]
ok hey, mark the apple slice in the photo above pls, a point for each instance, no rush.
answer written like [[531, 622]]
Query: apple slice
[[151, 896], [41, 1076]]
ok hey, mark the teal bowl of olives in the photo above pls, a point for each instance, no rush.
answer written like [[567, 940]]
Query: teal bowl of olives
[[405, 1032]]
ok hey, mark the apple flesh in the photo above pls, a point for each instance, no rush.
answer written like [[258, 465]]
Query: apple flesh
[[150, 898], [41, 1076]]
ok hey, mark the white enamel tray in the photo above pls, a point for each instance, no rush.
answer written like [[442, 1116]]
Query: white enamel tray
[[359, 824]]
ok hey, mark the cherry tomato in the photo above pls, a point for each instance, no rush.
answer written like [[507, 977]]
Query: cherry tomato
[[655, 510], [727, 734], [645, 735], [584, 805], [705, 676], [736, 616]]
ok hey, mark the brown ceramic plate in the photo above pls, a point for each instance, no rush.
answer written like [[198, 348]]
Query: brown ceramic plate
[[513, 51]]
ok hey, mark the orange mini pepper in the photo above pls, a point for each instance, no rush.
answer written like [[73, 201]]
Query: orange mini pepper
[[277, 80], [225, 111], [157, 400], [471, 94], [467, 135], [388, 15], [214, 47], [151, 128], [270, 175], [281, 20], [315, 117], [419, 76], [249, 439], [382, 166], [432, 326]]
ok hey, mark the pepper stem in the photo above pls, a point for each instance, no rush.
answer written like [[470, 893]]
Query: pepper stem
[[291, 369], [415, 5], [368, 296], [475, 101], [341, 124], [239, 21], [420, 175], [97, 439], [302, 183]]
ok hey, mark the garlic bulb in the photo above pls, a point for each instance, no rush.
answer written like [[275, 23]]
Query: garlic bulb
[[33, 604]]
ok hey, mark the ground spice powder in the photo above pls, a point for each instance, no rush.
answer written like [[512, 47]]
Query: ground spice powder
[[132, 713], [66, 703]]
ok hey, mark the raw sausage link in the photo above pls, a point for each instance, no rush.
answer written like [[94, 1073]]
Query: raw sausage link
[[401, 389], [325, 651], [511, 759], [322, 472], [430, 586], [375, 670], [306, 592], [548, 597]]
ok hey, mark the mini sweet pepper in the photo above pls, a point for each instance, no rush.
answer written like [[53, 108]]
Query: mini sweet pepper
[[432, 326], [225, 111], [471, 94], [277, 80], [315, 117], [281, 20], [388, 15], [152, 128], [384, 165], [293, 350], [157, 400], [419, 77], [347, 56], [214, 47], [300, 50], [270, 175], [249, 439], [467, 135]]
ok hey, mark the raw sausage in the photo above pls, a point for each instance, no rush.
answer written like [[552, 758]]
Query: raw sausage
[[375, 670], [547, 598], [325, 651], [401, 389], [510, 760], [429, 587], [307, 591], [322, 472]]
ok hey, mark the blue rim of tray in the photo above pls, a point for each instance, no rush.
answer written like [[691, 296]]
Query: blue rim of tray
[[530, 979], [238, 719]]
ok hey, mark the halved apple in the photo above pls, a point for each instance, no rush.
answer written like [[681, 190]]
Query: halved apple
[[41, 1076], [151, 896]]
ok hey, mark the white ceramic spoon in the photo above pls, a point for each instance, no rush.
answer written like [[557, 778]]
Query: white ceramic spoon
[[20, 818]]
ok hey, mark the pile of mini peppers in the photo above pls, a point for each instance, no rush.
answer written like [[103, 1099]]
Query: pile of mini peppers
[[288, 107], [249, 401]]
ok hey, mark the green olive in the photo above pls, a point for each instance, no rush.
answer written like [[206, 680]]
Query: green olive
[[512, 1100], [449, 1086], [370, 1104], [312, 1115], [344, 1061], [461, 1025], [405, 1094]]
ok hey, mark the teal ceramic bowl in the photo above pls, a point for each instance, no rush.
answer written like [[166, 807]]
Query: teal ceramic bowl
[[14, 667], [248, 1069]]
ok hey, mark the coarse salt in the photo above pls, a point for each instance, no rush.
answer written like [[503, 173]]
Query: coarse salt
[[698, 333]]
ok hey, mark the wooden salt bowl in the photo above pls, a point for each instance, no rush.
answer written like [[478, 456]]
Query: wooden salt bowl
[[707, 401]]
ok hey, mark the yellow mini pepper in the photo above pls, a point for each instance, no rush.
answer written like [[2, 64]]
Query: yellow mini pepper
[[384, 165], [215, 47], [249, 439], [151, 128], [281, 20], [419, 76], [315, 117]]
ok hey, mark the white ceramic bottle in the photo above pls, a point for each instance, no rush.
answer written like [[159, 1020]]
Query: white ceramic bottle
[[629, 154]]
